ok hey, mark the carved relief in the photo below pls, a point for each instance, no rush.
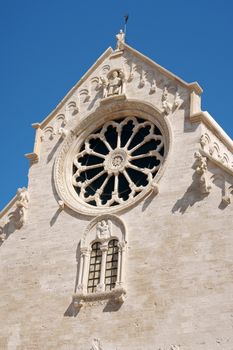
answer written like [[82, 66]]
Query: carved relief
[[166, 106], [178, 101], [113, 84], [17, 217], [72, 108], [105, 69], [84, 95], [96, 345], [153, 87], [211, 148], [95, 84], [48, 134], [103, 230], [201, 170], [132, 70], [20, 213], [60, 122], [50, 131], [142, 81]]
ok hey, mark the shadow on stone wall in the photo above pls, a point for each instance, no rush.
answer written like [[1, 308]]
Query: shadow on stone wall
[[7, 229], [54, 150]]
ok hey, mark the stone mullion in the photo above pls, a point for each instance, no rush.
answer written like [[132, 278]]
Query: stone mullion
[[101, 285]]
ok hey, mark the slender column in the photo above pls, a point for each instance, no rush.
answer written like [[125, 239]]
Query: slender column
[[86, 259], [122, 274], [83, 270], [80, 272], [119, 266], [101, 285]]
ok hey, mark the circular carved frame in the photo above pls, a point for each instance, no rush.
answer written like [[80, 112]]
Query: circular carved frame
[[112, 110]]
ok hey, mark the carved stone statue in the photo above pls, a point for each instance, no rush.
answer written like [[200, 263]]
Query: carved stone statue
[[167, 107], [103, 230], [201, 169], [19, 215], [113, 85], [120, 41]]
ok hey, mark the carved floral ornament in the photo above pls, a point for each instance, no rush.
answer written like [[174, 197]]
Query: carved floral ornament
[[114, 164]]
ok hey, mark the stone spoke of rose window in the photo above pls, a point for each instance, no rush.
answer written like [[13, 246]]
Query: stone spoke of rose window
[[116, 163]]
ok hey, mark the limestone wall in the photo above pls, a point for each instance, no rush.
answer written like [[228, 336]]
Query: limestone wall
[[179, 262]]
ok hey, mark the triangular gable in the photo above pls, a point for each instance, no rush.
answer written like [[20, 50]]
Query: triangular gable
[[194, 86]]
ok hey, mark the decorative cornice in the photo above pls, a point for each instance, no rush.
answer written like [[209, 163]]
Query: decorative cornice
[[106, 54], [191, 86], [117, 295], [208, 121]]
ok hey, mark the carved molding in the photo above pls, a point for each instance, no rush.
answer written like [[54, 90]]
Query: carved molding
[[50, 131], [102, 229], [216, 152], [72, 143], [116, 295]]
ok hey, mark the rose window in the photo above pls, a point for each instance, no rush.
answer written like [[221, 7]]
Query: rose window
[[118, 161]]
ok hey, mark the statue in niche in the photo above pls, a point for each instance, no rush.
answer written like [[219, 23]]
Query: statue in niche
[[120, 41], [113, 84], [103, 229]]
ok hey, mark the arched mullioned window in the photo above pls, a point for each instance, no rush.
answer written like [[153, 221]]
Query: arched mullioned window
[[94, 268], [101, 262], [111, 264]]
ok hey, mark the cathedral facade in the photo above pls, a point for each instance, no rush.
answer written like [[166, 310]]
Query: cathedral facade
[[123, 238]]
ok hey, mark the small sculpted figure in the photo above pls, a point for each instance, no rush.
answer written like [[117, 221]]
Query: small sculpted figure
[[22, 206], [112, 85], [115, 83], [103, 230], [22, 197], [120, 41]]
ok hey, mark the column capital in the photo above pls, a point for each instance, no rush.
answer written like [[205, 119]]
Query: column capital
[[104, 247], [85, 251]]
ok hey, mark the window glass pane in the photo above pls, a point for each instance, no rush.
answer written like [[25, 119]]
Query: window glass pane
[[95, 267], [111, 265]]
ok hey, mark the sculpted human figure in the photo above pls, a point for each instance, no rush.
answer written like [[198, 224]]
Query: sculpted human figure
[[103, 229], [112, 85], [115, 83], [120, 41], [22, 197], [22, 206]]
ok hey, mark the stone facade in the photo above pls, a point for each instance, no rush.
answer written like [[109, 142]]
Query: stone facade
[[174, 283]]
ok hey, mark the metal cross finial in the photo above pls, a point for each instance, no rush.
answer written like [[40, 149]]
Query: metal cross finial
[[126, 17]]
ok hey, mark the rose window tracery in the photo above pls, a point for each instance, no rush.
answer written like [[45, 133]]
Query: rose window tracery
[[118, 161]]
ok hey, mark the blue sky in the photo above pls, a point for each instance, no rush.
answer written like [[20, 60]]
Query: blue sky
[[47, 45]]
